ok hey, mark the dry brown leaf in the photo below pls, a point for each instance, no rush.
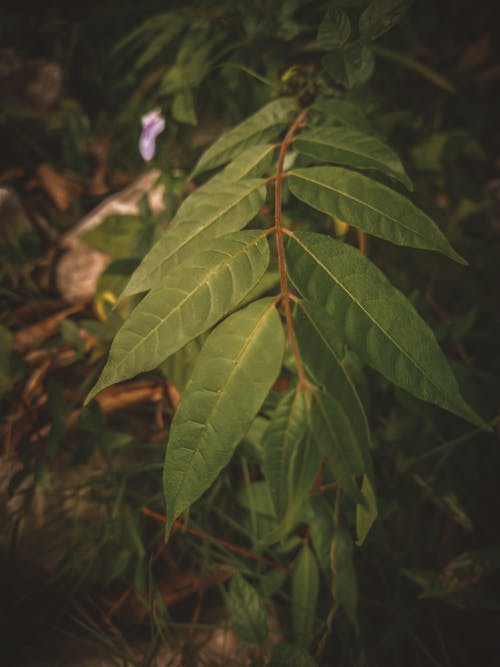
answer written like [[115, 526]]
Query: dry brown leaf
[[100, 150], [60, 188], [123, 396], [35, 334]]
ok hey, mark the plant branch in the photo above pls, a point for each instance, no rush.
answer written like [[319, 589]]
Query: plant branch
[[285, 295], [223, 544]]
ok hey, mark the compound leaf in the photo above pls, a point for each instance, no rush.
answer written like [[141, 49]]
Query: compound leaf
[[376, 320], [233, 375], [191, 299], [369, 205], [353, 149]]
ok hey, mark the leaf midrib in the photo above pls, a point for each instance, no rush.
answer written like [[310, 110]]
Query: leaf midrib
[[220, 394]]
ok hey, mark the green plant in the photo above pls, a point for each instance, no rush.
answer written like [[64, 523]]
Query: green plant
[[206, 275], [294, 355]]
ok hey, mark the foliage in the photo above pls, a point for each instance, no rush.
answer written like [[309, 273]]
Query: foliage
[[307, 367]]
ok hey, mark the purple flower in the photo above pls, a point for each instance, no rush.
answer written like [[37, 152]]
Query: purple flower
[[152, 124]]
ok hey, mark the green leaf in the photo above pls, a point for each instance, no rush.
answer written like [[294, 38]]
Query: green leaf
[[374, 318], [259, 127], [341, 112], [369, 205], [179, 366], [380, 16], [166, 27], [305, 588], [202, 217], [233, 375], [321, 352], [190, 300], [345, 582], [246, 612], [319, 517], [261, 519], [366, 512], [334, 30], [194, 58], [353, 149], [183, 107], [359, 64], [334, 64], [291, 655], [335, 438], [290, 459], [253, 162]]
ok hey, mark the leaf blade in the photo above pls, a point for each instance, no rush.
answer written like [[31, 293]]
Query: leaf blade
[[290, 459], [246, 611], [369, 205], [260, 126], [335, 438], [193, 298], [202, 216], [305, 588], [322, 358], [353, 149], [375, 319], [234, 372]]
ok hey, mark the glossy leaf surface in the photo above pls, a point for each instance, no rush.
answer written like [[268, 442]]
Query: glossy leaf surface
[[234, 372]]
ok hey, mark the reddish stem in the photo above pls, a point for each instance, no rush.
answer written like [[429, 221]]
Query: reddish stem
[[285, 295], [179, 525]]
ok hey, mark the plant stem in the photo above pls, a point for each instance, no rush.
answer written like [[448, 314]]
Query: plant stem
[[285, 295]]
